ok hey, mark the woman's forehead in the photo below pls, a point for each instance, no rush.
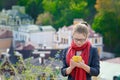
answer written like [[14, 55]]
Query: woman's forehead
[[76, 34]]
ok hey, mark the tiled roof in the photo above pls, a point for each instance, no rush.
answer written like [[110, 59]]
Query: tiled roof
[[25, 46], [5, 33]]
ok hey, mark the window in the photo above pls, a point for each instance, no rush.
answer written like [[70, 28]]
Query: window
[[95, 41]]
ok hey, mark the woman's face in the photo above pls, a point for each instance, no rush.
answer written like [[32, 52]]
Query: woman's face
[[79, 39]]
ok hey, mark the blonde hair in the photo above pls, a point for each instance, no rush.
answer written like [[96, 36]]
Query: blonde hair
[[81, 28]]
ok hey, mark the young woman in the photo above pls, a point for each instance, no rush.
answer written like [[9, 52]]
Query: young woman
[[80, 46]]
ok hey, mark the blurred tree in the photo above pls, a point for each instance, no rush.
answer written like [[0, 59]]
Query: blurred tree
[[33, 7], [49, 6], [64, 11], [92, 10], [45, 18], [7, 4], [23, 2], [0, 5], [107, 22]]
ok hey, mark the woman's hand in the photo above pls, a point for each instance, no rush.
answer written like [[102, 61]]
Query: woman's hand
[[73, 64], [83, 66], [71, 67]]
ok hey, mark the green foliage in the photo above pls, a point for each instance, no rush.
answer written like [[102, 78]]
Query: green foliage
[[23, 2], [45, 18], [7, 4], [63, 11], [91, 11], [106, 22], [33, 7], [32, 71], [117, 50], [49, 6]]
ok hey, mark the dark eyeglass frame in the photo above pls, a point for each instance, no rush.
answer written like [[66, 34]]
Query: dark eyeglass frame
[[81, 40]]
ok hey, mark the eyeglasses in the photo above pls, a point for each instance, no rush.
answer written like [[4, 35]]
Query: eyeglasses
[[81, 40]]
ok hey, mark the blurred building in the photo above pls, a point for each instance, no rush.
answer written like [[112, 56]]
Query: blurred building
[[27, 35], [39, 36], [14, 17], [63, 37]]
